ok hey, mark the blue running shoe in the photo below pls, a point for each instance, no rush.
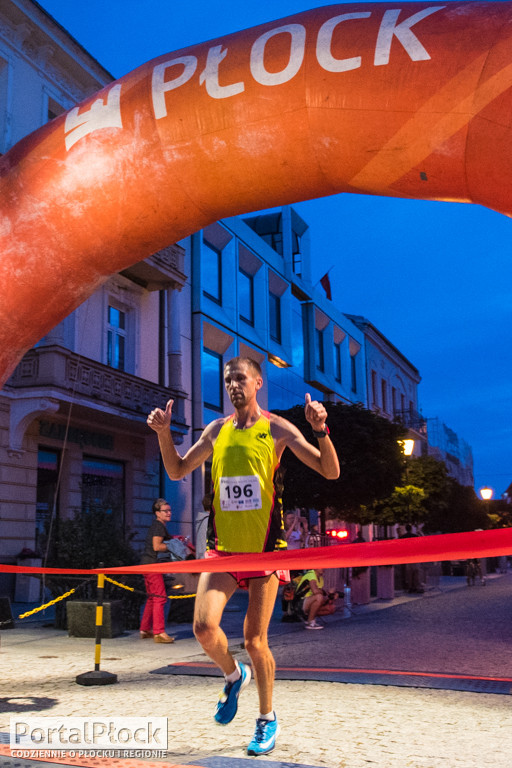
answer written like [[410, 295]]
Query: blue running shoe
[[228, 702], [265, 737]]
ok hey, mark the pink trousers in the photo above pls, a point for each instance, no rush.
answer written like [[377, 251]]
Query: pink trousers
[[153, 619]]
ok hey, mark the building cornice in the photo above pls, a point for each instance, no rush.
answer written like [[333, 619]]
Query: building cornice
[[373, 333], [43, 42]]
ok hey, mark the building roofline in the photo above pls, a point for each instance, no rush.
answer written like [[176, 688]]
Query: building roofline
[[63, 29], [364, 324]]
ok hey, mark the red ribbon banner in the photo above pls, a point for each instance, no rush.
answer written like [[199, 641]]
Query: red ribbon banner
[[451, 546]]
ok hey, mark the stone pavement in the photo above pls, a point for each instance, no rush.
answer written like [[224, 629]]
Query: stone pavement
[[466, 631]]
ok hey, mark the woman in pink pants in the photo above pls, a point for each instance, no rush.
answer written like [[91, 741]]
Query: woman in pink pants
[[153, 619]]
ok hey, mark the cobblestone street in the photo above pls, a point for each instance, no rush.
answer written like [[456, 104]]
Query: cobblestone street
[[467, 631]]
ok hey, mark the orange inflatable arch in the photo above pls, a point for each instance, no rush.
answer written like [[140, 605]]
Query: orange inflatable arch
[[406, 99]]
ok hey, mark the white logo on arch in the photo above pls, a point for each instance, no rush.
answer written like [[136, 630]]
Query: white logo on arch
[[101, 114]]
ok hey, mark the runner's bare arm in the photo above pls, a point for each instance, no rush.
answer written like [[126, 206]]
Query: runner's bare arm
[[323, 459], [175, 465]]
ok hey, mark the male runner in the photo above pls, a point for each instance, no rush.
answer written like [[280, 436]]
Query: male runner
[[246, 516]]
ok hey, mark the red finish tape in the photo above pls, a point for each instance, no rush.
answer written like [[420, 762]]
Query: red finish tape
[[450, 546]]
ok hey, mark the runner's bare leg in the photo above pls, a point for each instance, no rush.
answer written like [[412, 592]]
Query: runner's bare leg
[[213, 592], [262, 597]]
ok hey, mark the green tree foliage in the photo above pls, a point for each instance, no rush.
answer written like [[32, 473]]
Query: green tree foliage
[[90, 538], [465, 512], [84, 541], [405, 505], [431, 475], [447, 506], [500, 514], [371, 462]]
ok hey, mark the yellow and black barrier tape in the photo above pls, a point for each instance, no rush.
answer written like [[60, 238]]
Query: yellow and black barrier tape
[[46, 605], [132, 589], [179, 597], [118, 584], [72, 591]]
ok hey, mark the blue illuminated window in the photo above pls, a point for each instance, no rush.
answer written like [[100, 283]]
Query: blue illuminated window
[[353, 372], [213, 379], [320, 358], [274, 308], [116, 339], [211, 272], [246, 296], [337, 362]]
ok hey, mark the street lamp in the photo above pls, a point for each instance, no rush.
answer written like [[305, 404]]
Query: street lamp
[[407, 447], [407, 450], [486, 493]]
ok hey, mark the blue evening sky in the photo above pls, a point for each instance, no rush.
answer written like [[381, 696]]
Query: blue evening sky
[[435, 278]]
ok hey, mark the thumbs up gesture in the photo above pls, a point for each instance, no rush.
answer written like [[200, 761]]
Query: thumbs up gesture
[[315, 413], [159, 419]]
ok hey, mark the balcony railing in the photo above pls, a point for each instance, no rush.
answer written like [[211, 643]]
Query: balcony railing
[[412, 420], [57, 369], [162, 270]]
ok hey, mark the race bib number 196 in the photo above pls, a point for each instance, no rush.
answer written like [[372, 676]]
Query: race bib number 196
[[243, 492]]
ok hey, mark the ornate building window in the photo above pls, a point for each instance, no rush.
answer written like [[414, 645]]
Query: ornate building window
[[46, 499], [103, 487], [116, 338]]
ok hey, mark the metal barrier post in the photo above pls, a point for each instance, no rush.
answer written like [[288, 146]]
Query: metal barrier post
[[347, 599], [97, 676]]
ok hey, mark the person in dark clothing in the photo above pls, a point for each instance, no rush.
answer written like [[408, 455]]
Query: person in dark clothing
[[412, 570], [153, 620]]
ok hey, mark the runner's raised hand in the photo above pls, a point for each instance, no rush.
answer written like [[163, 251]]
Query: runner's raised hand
[[315, 413], [159, 419]]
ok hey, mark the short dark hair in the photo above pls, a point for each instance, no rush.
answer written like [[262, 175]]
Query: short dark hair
[[249, 361], [158, 504]]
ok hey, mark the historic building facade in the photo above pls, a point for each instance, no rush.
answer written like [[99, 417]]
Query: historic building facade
[[72, 415], [392, 383]]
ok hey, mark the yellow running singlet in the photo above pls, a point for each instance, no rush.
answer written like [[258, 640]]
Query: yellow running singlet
[[246, 514]]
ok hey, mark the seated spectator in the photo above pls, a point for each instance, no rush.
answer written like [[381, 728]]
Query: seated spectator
[[292, 599], [317, 602]]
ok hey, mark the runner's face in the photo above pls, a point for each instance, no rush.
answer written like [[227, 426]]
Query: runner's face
[[242, 384]]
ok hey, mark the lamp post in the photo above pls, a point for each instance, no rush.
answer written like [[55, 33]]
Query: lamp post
[[407, 447], [407, 450], [486, 494]]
